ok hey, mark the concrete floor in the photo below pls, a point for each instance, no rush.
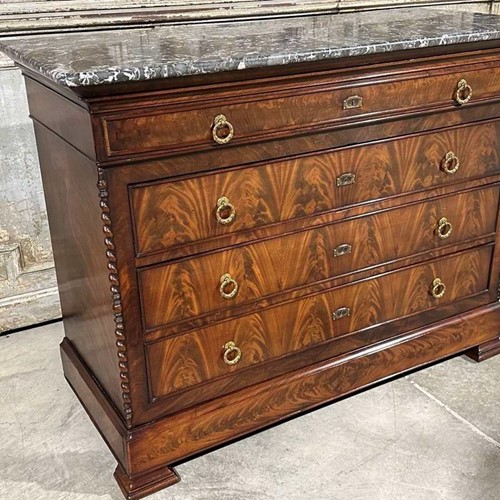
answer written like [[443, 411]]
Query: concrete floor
[[432, 435]]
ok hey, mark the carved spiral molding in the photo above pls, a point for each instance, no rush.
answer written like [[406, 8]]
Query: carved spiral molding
[[121, 341]]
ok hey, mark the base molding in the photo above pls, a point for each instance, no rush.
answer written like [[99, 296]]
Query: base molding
[[145, 452], [144, 484], [95, 402], [484, 351]]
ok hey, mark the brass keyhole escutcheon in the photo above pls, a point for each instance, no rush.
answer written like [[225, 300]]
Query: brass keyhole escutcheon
[[450, 163], [225, 211], [463, 93], [346, 179], [438, 288], [222, 130], [232, 354], [228, 287], [342, 249], [444, 228], [341, 312], [353, 102]]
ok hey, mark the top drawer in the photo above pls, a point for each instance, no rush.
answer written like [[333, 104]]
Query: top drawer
[[220, 118], [176, 214]]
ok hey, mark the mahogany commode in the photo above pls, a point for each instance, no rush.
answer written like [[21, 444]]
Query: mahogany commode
[[238, 239]]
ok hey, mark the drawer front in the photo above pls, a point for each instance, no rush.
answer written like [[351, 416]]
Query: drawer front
[[176, 214], [180, 362], [224, 118], [221, 280]]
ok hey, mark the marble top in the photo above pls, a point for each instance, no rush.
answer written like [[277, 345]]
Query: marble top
[[105, 57]]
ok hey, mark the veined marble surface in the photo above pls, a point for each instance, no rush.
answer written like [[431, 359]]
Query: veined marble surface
[[105, 57]]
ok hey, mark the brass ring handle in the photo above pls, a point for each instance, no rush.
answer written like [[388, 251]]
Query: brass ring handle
[[444, 228], [438, 288], [223, 205], [232, 353], [225, 282], [450, 163], [463, 93], [221, 123]]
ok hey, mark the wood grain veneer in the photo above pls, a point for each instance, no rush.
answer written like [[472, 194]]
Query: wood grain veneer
[[70, 181], [191, 287], [174, 214], [253, 409], [192, 358], [263, 115], [132, 178]]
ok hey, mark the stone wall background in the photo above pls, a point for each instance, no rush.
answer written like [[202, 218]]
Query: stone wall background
[[28, 291]]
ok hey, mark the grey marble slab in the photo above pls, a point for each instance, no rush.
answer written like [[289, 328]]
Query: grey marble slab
[[105, 57]]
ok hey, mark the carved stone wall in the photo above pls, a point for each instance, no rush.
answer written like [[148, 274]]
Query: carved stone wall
[[27, 16], [28, 292]]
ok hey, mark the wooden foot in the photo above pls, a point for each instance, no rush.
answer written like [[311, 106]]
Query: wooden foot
[[484, 351], [145, 484]]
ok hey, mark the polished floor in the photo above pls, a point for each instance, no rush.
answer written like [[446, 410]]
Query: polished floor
[[432, 435]]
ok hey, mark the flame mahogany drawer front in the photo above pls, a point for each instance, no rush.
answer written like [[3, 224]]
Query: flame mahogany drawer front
[[191, 287], [179, 213], [221, 118], [220, 350]]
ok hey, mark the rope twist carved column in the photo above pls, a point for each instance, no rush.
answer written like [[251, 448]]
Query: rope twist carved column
[[121, 340]]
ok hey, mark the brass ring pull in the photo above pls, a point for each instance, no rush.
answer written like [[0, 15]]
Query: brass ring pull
[[463, 93], [438, 288], [225, 212], [450, 163], [232, 353], [227, 282], [444, 228], [221, 124]]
